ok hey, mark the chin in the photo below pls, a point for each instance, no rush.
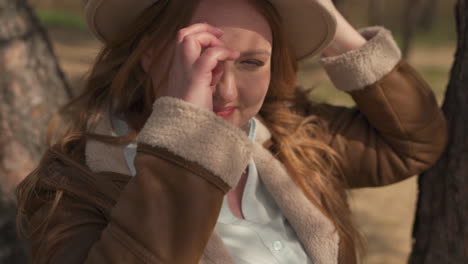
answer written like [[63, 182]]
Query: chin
[[236, 119]]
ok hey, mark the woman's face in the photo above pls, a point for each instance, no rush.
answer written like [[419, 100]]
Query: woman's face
[[245, 81]]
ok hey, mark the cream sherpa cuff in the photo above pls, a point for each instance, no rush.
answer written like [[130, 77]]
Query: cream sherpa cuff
[[356, 69], [198, 135]]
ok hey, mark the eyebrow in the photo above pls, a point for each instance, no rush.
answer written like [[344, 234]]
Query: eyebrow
[[255, 52]]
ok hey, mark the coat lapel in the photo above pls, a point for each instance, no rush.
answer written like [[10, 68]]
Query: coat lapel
[[314, 230]]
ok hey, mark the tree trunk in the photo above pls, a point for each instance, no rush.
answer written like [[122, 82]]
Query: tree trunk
[[375, 12], [338, 3], [411, 16], [441, 224], [32, 87], [428, 15]]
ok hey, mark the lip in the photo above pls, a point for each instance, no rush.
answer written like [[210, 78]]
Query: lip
[[225, 111]]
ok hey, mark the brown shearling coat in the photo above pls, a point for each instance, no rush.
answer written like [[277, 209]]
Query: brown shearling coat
[[168, 211]]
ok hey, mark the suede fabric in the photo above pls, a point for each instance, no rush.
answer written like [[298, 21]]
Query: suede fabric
[[314, 230], [166, 213]]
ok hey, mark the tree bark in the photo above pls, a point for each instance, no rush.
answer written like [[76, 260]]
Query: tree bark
[[411, 17], [375, 12], [428, 15], [441, 225], [338, 3], [32, 87]]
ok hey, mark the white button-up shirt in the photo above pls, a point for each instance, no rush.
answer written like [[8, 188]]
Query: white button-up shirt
[[264, 236]]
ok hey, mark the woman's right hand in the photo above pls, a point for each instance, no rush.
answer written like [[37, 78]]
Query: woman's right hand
[[198, 64]]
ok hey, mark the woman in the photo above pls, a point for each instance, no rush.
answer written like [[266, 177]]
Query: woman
[[192, 144]]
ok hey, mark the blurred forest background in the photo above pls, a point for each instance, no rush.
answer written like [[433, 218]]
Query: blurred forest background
[[385, 215]]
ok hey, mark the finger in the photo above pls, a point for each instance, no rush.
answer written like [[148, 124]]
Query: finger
[[193, 45], [210, 58], [198, 28], [216, 73]]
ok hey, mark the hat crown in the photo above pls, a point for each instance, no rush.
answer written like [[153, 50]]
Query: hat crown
[[310, 25]]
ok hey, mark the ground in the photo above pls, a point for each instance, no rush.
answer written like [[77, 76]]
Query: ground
[[384, 215]]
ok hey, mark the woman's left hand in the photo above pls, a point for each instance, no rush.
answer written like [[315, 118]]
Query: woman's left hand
[[346, 39]]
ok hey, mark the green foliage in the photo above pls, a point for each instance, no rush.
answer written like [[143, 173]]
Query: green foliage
[[442, 33], [50, 17]]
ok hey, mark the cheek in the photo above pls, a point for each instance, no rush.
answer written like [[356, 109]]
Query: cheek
[[254, 89]]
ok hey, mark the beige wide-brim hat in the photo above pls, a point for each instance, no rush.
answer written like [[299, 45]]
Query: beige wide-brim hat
[[309, 24]]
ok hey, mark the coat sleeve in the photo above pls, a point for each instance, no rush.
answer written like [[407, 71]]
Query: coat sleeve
[[187, 160], [396, 129]]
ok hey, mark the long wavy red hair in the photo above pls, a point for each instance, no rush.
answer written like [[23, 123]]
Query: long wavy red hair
[[118, 79]]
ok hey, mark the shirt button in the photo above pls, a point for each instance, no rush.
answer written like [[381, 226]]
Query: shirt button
[[278, 245]]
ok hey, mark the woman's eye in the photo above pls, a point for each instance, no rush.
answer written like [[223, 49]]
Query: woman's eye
[[254, 63]]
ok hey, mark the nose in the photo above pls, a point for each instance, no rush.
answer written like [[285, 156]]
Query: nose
[[226, 90]]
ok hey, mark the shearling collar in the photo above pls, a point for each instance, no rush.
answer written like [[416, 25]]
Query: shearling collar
[[316, 233], [105, 157]]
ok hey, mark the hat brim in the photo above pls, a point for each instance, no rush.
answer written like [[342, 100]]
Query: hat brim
[[309, 24]]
